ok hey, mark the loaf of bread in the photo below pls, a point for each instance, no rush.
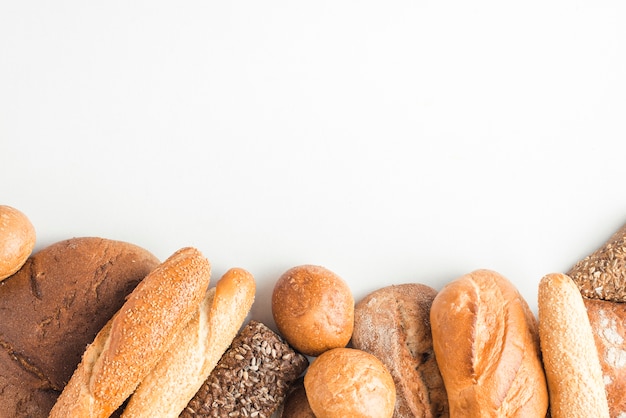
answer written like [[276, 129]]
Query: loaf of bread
[[183, 369], [393, 324], [486, 345], [251, 379], [296, 403], [131, 344], [570, 357], [52, 308], [608, 324]]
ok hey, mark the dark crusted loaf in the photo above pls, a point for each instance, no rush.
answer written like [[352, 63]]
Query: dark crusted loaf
[[52, 308], [251, 379]]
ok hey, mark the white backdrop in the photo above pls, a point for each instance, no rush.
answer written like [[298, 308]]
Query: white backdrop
[[392, 142]]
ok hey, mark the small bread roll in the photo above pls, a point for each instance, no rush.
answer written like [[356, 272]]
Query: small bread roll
[[313, 309], [346, 382], [570, 356], [17, 240]]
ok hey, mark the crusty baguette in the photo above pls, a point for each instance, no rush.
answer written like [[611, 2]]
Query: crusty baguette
[[181, 372], [134, 340], [570, 356], [486, 345]]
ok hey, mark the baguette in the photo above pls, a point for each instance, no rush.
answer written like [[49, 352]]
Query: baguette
[[570, 356], [181, 372], [133, 341]]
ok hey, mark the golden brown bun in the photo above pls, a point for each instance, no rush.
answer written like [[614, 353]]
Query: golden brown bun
[[130, 345], [313, 309], [346, 382], [183, 369], [393, 324], [569, 353], [53, 308], [486, 345], [608, 323], [17, 240], [296, 404]]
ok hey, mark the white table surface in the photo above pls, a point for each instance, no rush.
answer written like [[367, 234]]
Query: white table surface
[[391, 142]]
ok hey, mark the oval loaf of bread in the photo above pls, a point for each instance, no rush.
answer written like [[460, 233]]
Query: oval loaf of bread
[[486, 344]]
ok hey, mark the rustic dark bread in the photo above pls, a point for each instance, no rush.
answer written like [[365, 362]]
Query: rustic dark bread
[[486, 345], [393, 323], [296, 403], [52, 308], [602, 274], [252, 377], [608, 323]]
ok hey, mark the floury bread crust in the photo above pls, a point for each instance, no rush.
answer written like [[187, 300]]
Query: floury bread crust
[[393, 324], [183, 369], [486, 345], [52, 308], [570, 356], [608, 323]]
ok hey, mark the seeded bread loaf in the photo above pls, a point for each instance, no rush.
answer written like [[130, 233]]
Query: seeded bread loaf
[[602, 274], [251, 379], [52, 308]]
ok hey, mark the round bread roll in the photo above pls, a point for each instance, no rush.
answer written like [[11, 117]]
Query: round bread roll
[[346, 382], [17, 240], [313, 309]]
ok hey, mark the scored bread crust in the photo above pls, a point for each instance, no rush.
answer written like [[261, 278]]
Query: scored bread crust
[[134, 340], [485, 342], [393, 324], [181, 372], [570, 356]]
